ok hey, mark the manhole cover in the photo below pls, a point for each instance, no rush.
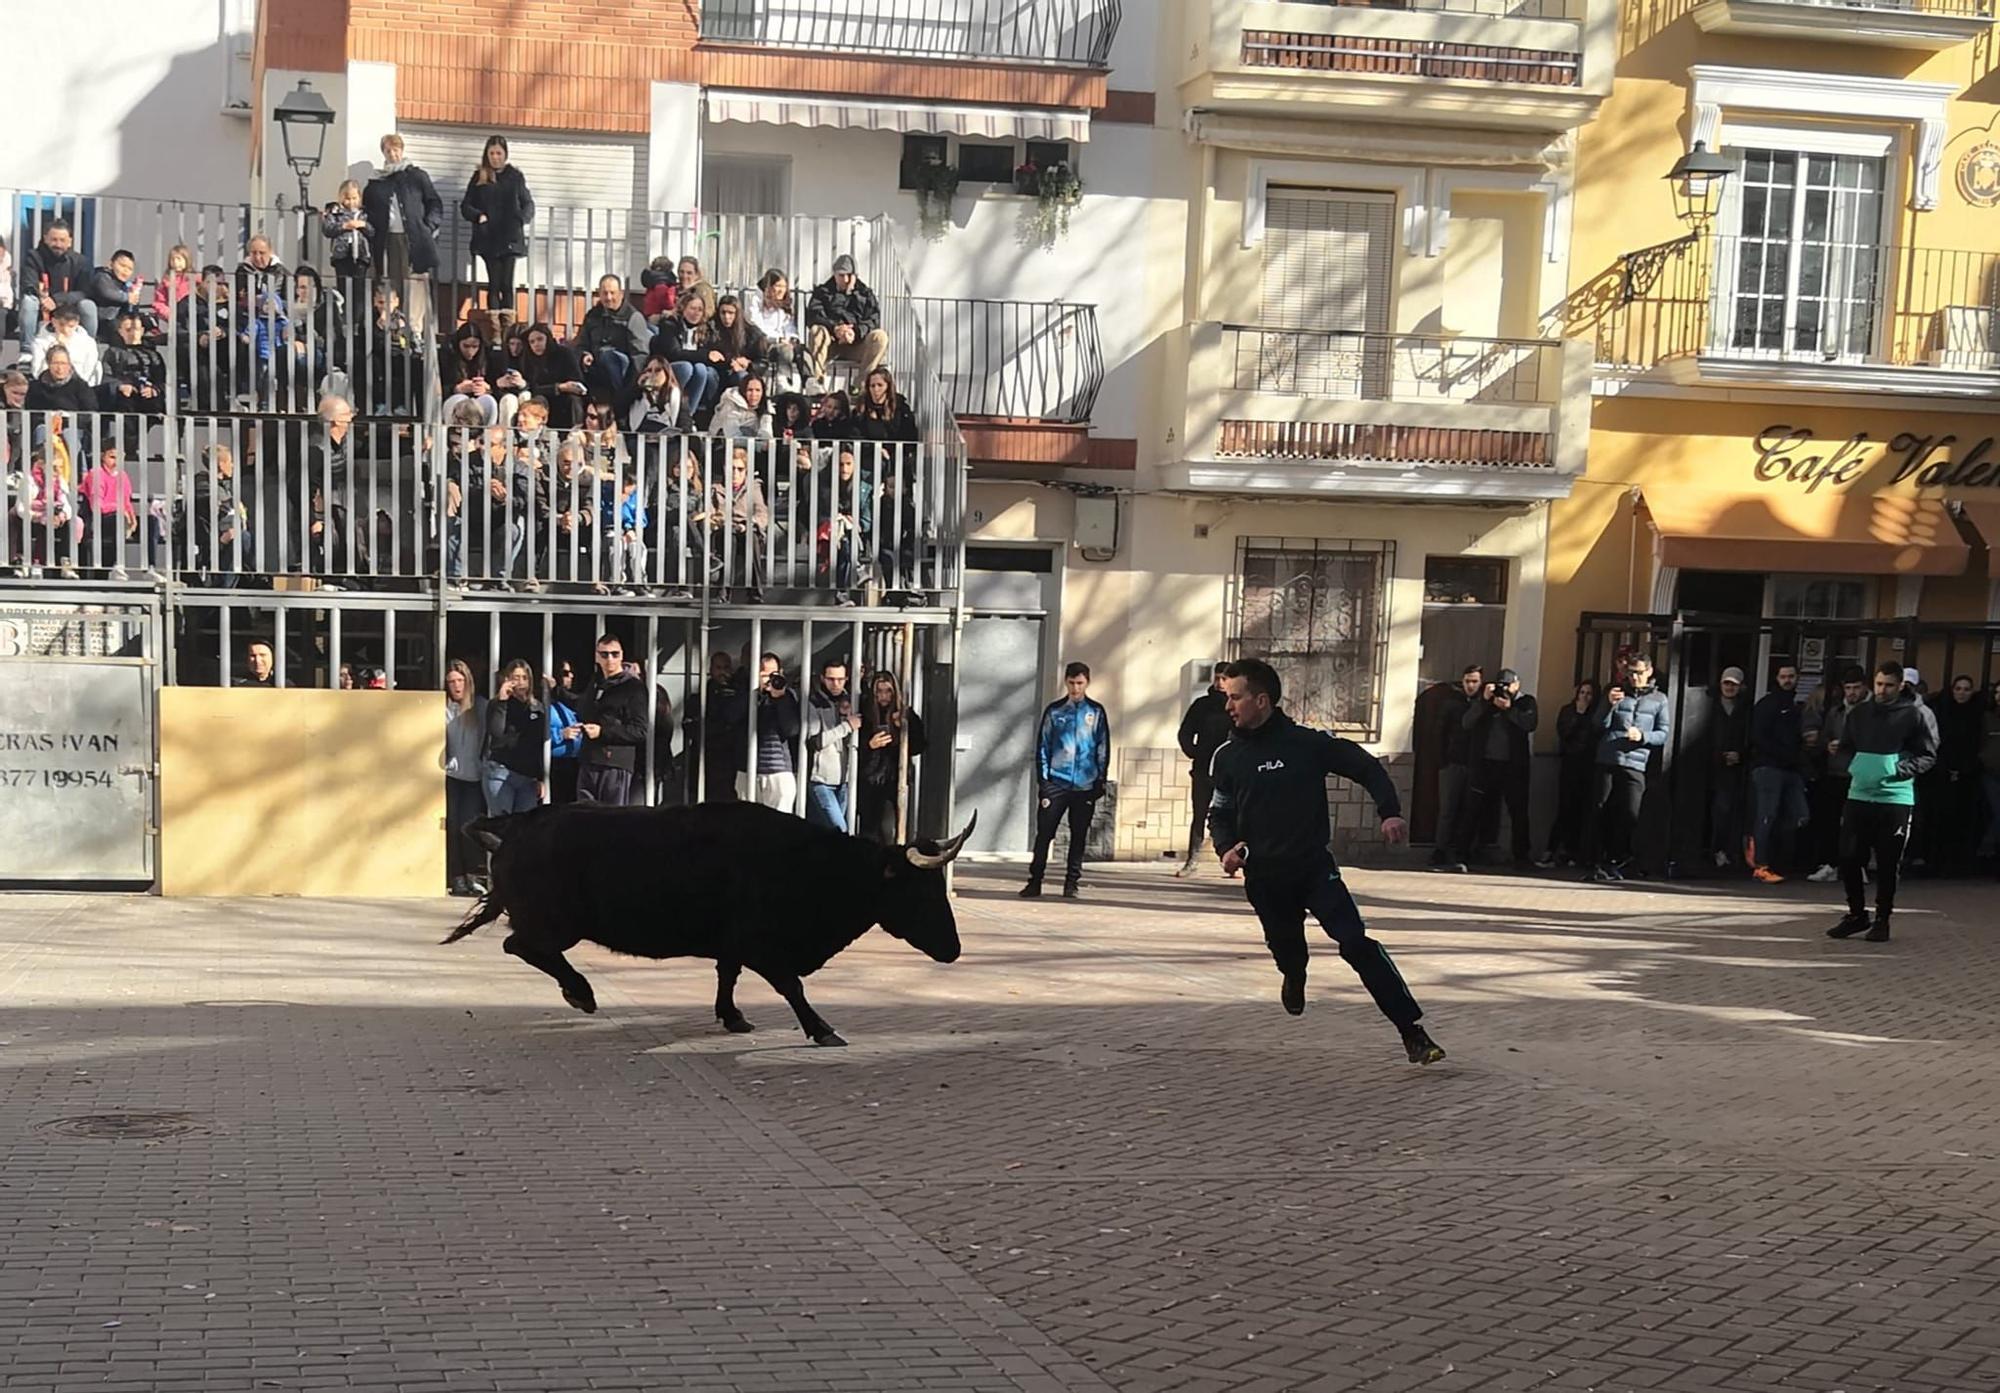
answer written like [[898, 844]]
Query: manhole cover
[[124, 1126]]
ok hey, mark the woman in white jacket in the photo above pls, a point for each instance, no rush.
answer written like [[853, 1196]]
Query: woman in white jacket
[[744, 413], [773, 310]]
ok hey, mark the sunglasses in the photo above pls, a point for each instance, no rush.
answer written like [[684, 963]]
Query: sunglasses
[[610, 653]]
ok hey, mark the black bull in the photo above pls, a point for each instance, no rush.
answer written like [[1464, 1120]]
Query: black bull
[[743, 884]]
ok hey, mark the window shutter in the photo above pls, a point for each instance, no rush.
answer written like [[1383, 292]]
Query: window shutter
[[1328, 259]]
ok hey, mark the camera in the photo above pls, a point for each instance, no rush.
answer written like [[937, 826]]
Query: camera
[[777, 682]]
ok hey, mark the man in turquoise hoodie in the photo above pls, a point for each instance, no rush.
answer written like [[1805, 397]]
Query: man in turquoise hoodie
[[1072, 758], [1889, 741]]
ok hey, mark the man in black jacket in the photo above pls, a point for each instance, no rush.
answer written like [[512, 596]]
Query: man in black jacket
[[611, 717], [1777, 774], [404, 214], [1890, 742], [53, 273], [1498, 724], [1729, 719], [613, 336], [1204, 730], [844, 321], [1456, 771], [1269, 819]]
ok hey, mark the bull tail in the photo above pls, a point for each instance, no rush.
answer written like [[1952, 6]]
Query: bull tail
[[484, 911]]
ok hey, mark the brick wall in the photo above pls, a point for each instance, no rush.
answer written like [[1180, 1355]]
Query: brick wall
[[1151, 821]]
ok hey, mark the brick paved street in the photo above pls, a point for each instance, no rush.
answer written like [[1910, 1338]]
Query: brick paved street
[[1683, 1142]]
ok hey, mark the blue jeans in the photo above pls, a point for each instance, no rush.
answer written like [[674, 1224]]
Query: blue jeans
[[826, 806], [507, 791], [1781, 811], [701, 386], [610, 368]]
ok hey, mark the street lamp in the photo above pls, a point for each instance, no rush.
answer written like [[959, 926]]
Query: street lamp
[[303, 117], [1698, 177]]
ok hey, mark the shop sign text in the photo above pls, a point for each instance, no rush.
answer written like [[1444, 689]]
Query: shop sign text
[[1792, 455]]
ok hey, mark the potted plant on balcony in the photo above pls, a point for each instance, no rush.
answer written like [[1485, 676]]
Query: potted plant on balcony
[[1057, 192], [1028, 178], [935, 184]]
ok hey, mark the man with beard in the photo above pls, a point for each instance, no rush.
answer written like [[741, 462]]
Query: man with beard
[[1891, 741]]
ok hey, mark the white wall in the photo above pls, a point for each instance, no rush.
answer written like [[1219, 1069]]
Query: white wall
[[124, 97]]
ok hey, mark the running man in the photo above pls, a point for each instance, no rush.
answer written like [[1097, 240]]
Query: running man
[[1269, 820], [1891, 740]]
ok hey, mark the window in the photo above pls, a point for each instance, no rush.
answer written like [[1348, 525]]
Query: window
[[1044, 153], [1317, 611], [918, 151], [985, 164], [1327, 260], [1465, 580], [1807, 256]]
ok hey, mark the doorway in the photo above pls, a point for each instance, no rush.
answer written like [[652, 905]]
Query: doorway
[[1465, 621]]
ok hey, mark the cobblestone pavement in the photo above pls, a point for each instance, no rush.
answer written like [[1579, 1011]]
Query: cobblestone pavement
[[1683, 1142]]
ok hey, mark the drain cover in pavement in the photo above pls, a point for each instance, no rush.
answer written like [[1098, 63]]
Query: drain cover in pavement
[[124, 1126]]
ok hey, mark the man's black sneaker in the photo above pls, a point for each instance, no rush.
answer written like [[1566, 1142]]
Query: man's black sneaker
[[1849, 925], [1293, 993], [1418, 1044], [1070, 891], [1032, 890], [1879, 932], [1607, 875]]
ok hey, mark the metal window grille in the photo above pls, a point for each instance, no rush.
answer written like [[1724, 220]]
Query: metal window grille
[[1318, 612]]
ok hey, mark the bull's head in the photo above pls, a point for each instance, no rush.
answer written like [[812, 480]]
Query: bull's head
[[915, 906]]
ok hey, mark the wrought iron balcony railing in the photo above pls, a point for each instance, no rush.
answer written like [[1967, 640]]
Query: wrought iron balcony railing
[[1358, 366], [1071, 32], [1016, 360]]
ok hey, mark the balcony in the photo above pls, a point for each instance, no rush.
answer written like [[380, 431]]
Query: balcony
[[1072, 33], [1538, 64], [1929, 25], [1730, 312], [1398, 415], [1022, 377]]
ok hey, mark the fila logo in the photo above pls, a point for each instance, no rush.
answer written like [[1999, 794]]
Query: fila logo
[[1268, 765]]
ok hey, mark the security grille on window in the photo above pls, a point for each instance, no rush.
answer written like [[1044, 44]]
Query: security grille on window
[[1317, 611], [1807, 277]]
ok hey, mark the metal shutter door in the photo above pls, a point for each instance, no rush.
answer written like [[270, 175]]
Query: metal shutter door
[[1328, 258]]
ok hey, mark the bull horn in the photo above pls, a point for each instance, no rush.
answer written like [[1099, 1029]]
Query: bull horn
[[944, 855]]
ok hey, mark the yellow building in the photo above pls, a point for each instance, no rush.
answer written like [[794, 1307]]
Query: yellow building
[[1795, 400]]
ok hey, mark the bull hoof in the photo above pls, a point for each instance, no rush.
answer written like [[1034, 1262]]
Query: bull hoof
[[583, 1001], [737, 1024], [831, 1039]]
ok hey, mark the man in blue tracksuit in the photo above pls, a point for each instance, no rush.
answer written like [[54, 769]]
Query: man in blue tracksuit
[[1072, 756], [1636, 722], [1269, 820]]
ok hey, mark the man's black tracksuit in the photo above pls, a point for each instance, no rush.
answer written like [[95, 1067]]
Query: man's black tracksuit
[[1270, 796]]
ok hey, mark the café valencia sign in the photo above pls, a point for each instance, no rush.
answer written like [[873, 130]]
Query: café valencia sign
[[1793, 455]]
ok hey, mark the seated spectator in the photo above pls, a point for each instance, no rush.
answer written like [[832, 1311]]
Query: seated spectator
[[549, 370], [211, 345], [772, 310], [466, 371], [738, 511], [683, 341], [53, 274], [791, 417], [626, 523], [386, 355], [58, 387], [692, 282], [572, 512], [744, 412], [331, 548], [271, 349], [176, 283], [214, 520], [844, 322], [317, 344], [740, 342], [107, 513], [847, 510], [532, 432], [676, 522], [40, 524], [350, 249], [884, 415], [65, 329], [662, 287], [652, 404], [496, 514], [260, 271], [833, 417], [898, 535], [135, 376], [114, 288], [603, 443], [509, 386], [613, 336]]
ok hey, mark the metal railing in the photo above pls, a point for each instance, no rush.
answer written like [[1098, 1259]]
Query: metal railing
[[149, 228], [1357, 366], [1016, 359], [225, 502], [1427, 58], [1005, 31], [1812, 302], [1495, 9]]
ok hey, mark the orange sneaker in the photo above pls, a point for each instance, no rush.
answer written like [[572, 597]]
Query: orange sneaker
[[1767, 875]]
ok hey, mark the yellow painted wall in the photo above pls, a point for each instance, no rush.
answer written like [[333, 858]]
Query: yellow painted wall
[[301, 792], [1492, 265]]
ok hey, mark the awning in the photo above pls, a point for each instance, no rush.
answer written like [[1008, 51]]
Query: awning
[[1984, 515], [924, 118], [1785, 530]]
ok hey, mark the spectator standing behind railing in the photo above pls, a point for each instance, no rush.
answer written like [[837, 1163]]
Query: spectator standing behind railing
[[115, 287], [350, 251], [611, 717], [464, 763], [404, 214], [517, 731], [887, 727], [844, 321], [499, 207], [65, 329], [108, 515], [260, 665], [53, 274], [563, 748], [772, 309]]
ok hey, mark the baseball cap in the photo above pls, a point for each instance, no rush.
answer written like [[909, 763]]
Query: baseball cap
[[1733, 674], [1911, 676], [1508, 675], [843, 262]]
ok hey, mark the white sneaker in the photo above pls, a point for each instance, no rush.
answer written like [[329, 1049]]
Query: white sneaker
[[1722, 860], [1823, 875], [119, 573]]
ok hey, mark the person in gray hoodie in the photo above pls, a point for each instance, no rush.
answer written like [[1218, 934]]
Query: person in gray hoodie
[[831, 724]]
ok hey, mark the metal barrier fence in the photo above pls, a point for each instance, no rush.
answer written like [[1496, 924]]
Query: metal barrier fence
[[1048, 31], [226, 502], [1016, 359]]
